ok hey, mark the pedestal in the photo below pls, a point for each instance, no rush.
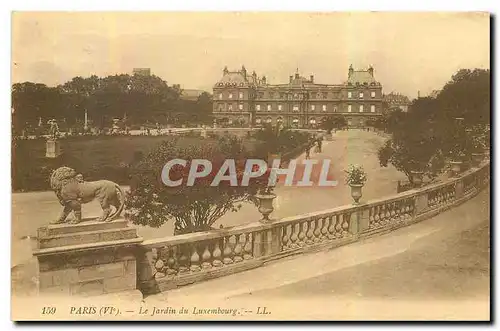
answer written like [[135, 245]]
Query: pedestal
[[90, 258], [52, 148]]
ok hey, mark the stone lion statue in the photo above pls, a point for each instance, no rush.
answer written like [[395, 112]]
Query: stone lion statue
[[72, 191]]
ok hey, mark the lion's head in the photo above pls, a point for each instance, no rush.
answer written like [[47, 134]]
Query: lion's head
[[62, 176]]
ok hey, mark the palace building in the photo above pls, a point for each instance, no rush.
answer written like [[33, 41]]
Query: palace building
[[243, 99]]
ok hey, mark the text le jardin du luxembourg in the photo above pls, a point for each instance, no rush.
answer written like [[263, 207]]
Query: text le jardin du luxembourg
[[254, 168]]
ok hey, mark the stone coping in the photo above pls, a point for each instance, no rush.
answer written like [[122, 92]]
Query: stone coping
[[258, 226], [88, 247]]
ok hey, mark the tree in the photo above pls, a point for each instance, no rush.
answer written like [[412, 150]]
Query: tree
[[274, 140], [192, 208], [429, 131]]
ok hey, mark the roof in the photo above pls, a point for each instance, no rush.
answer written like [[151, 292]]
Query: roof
[[360, 77], [239, 78], [396, 98]]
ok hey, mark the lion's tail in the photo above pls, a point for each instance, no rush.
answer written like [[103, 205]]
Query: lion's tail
[[119, 209]]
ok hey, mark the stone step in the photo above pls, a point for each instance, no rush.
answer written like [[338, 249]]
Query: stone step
[[86, 237], [84, 226]]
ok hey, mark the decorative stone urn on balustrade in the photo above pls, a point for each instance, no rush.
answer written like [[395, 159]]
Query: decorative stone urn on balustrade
[[266, 207], [417, 178], [477, 158], [356, 192], [456, 168]]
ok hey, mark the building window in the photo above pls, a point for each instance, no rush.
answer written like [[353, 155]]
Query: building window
[[268, 107], [221, 107], [360, 108], [361, 95], [230, 107], [261, 95], [241, 95], [313, 95], [325, 95], [349, 95], [280, 107], [269, 120], [373, 94], [271, 95], [324, 107], [282, 95], [220, 96], [335, 109], [295, 107], [258, 120], [372, 108], [257, 107], [313, 107], [240, 106], [295, 96], [317, 95], [349, 108], [230, 95]]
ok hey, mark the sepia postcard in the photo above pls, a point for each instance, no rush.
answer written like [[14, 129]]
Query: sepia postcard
[[250, 166]]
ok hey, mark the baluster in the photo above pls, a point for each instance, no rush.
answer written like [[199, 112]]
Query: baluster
[[345, 224], [309, 232], [301, 235], [317, 231], [238, 249], [183, 259], [247, 249], [331, 226], [217, 254], [382, 214], [205, 258], [294, 236], [171, 267], [324, 229], [377, 216], [338, 226], [371, 218], [195, 259], [228, 251], [393, 212], [159, 264], [285, 240]]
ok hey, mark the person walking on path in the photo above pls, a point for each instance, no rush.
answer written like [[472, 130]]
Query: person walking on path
[[308, 151], [320, 142]]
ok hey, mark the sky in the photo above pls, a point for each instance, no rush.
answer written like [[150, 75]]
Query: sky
[[410, 52]]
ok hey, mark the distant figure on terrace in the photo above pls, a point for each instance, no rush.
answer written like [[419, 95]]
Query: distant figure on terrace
[[320, 143]]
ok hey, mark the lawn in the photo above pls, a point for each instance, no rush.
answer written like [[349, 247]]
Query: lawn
[[96, 158]]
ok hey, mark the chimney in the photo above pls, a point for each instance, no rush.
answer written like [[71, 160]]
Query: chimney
[[291, 78], [370, 71], [312, 79], [263, 79], [244, 71], [225, 71]]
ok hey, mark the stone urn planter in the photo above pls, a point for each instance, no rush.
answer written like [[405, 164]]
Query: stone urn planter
[[417, 178], [356, 192], [476, 159], [456, 167], [266, 205]]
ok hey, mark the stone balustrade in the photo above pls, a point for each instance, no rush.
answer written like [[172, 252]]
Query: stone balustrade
[[175, 261]]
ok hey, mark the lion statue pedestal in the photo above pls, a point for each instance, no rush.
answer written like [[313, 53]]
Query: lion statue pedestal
[[87, 259]]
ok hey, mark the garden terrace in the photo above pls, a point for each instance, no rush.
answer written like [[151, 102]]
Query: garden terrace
[[175, 261]]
